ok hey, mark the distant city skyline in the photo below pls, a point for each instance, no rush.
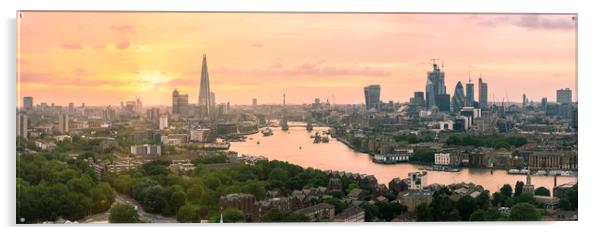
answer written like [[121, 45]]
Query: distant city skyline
[[114, 57]]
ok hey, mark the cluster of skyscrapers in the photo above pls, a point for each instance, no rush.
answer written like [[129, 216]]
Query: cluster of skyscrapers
[[435, 94]]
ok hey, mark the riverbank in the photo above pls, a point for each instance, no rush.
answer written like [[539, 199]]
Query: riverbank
[[296, 147]]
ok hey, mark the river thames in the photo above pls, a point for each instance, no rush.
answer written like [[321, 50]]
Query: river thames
[[296, 146]]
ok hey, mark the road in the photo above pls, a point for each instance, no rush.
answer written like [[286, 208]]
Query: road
[[103, 217]]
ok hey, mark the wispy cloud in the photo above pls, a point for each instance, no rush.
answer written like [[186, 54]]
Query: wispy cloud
[[71, 46], [564, 22]]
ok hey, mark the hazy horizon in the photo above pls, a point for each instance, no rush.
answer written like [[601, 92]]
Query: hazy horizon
[[102, 58]]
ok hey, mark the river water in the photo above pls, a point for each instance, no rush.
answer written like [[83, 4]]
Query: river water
[[296, 146]]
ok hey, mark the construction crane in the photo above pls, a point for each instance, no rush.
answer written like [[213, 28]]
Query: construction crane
[[434, 60]]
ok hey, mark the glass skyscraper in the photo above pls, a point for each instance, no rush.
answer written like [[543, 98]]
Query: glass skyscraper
[[372, 96], [435, 86], [458, 100], [204, 90]]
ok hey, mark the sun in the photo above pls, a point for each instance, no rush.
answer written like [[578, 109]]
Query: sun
[[150, 79]]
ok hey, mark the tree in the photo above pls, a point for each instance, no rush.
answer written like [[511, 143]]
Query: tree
[[155, 199], [492, 215], [478, 215], [442, 206], [423, 212], [518, 188], [337, 203], [483, 200], [177, 200], [572, 196], [524, 212], [123, 213], [466, 205], [526, 197], [371, 212], [542, 191], [352, 186], [506, 190], [256, 188], [76, 206], [103, 197], [188, 214], [232, 215], [194, 193], [564, 204], [81, 184], [123, 183], [498, 199], [278, 174]]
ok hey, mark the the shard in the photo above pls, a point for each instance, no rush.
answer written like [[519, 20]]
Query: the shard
[[204, 90]]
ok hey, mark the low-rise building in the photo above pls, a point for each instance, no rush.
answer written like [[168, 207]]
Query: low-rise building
[[413, 198], [320, 212], [174, 139], [417, 180], [241, 201], [351, 214], [443, 159], [146, 150], [199, 135]]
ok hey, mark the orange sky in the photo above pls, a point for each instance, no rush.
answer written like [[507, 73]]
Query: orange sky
[[104, 58]]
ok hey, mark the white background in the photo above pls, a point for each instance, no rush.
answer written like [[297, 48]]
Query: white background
[[590, 98]]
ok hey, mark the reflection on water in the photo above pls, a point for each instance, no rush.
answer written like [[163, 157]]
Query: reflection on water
[[296, 146]]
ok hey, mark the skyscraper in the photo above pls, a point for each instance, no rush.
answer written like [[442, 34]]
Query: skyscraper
[[469, 94], [27, 103], [525, 101], [564, 96], [419, 98], [204, 90], [483, 92], [179, 103], [372, 96], [435, 85], [212, 103], [254, 102], [443, 103], [63, 123], [458, 99], [163, 122], [544, 104]]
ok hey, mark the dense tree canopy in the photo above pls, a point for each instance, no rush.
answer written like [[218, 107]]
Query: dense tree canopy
[[524, 212], [53, 186], [493, 141], [123, 213]]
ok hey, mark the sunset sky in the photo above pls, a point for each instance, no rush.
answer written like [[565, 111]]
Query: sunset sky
[[104, 58]]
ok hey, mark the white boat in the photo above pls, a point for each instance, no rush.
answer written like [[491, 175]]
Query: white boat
[[267, 132]]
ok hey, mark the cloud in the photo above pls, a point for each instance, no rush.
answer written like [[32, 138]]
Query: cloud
[[71, 46], [320, 69], [125, 29], [325, 70], [123, 45], [546, 22], [257, 45], [536, 22]]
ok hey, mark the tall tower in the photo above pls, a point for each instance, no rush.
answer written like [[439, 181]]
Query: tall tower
[[482, 94], [372, 97], [469, 93], [458, 100], [435, 85], [204, 90], [63, 123]]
